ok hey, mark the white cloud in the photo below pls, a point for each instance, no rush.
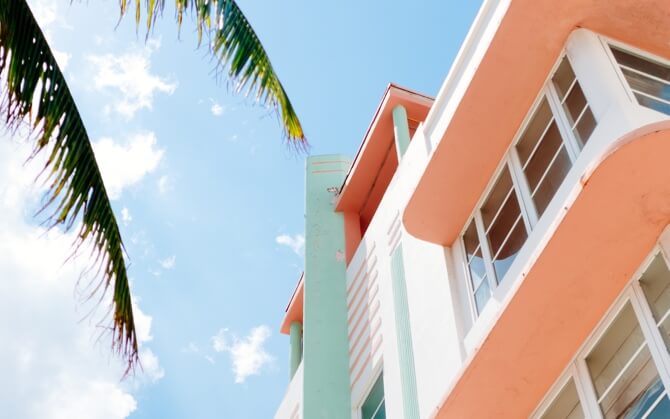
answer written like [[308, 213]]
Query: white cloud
[[130, 75], [295, 242], [123, 165], [53, 366], [125, 216], [169, 262], [217, 109], [164, 184], [219, 341], [248, 355], [150, 365]]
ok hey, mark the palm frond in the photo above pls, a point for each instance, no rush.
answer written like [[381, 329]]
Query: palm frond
[[34, 92], [238, 51]]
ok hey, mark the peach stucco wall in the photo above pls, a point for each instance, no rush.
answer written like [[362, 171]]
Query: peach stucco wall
[[612, 224]]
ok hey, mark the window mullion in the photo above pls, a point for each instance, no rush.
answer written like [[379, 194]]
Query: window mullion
[[468, 281], [651, 333], [486, 251], [567, 135], [523, 190], [585, 389]]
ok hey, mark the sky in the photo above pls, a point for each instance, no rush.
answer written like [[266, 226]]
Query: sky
[[209, 198]]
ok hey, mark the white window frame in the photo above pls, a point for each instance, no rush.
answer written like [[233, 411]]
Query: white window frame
[[511, 162], [607, 43], [660, 354]]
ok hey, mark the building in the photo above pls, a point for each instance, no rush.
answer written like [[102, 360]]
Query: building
[[500, 251]]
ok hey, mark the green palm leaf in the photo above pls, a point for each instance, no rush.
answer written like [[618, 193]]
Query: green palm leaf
[[33, 91], [238, 51]]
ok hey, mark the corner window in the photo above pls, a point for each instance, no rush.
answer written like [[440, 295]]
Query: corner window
[[649, 80], [534, 168], [622, 370], [373, 406]]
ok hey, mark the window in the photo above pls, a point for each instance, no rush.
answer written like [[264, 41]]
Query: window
[[503, 224], [493, 239], [543, 156], [573, 101], [624, 376], [373, 406], [533, 170], [649, 80], [623, 372]]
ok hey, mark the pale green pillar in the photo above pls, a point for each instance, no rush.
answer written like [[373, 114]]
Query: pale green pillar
[[296, 346], [326, 388], [400, 130]]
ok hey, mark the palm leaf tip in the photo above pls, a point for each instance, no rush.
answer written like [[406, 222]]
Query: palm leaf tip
[[238, 52], [33, 93]]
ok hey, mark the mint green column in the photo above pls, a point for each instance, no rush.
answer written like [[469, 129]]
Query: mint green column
[[296, 346], [410, 400], [325, 346], [400, 130]]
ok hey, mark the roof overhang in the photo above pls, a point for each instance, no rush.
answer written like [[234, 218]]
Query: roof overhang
[[485, 117], [294, 310], [378, 139], [605, 234]]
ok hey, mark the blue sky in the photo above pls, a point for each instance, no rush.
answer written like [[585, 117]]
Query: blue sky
[[209, 198]]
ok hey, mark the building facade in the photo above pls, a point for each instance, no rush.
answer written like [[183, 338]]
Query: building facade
[[501, 250]]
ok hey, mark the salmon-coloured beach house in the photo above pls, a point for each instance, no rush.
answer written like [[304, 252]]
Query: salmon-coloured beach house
[[501, 250]]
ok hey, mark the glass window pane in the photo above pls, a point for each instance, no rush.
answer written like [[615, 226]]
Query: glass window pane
[[497, 196], [645, 84], [648, 79], [585, 126], [623, 373], [652, 103], [510, 249], [543, 156], [373, 407], [655, 283], [553, 179], [642, 64], [508, 215], [470, 239], [575, 103], [566, 405], [534, 131], [482, 295], [477, 269], [563, 78]]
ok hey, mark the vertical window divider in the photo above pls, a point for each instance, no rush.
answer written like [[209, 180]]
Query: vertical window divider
[[468, 276], [486, 251], [659, 353], [585, 389], [516, 189], [524, 193]]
